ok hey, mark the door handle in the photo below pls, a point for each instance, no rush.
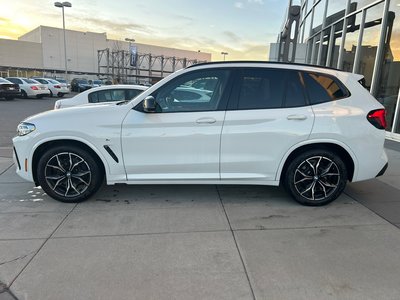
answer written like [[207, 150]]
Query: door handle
[[206, 121], [297, 117]]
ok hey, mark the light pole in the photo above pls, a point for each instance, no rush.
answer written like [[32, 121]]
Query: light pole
[[224, 54], [62, 5]]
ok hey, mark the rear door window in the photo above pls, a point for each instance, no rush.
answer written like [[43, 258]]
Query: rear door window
[[295, 94], [131, 93], [107, 95], [261, 88], [323, 88], [15, 80], [41, 81], [30, 81]]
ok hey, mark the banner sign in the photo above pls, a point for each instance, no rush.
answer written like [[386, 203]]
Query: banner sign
[[133, 52]]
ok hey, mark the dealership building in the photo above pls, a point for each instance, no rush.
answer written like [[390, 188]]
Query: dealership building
[[90, 55], [359, 36]]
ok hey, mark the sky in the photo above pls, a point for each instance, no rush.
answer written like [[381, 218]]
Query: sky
[[243, 28]]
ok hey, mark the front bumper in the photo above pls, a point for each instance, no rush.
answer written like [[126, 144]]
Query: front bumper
[[21, 157]]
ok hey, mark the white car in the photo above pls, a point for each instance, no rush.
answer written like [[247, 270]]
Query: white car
[[30, 87], [106, 93], [56, 88], [309, 128]]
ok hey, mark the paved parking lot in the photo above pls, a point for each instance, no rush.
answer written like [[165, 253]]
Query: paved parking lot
[[195, 242]]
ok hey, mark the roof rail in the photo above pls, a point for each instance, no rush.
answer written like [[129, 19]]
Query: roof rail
[[260, 62]]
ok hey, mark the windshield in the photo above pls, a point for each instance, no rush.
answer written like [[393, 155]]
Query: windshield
[[31, 81], [97, 82], [41, 80], [62, 80], [53, 81], [2, 80], [82, 81]]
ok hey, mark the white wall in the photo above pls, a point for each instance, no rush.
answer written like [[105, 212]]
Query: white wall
[[82, 49], [20, 54]]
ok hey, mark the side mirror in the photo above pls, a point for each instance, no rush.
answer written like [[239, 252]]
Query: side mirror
[[149, 104]]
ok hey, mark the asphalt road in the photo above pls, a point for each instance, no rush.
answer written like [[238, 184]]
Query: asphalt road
[[14, 111]]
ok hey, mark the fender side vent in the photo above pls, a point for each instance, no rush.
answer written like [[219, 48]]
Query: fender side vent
[[112, 154], [16, 156]]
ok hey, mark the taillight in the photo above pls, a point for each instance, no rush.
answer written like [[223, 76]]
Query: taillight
[[57, 87], [377, 118], [34, 87]]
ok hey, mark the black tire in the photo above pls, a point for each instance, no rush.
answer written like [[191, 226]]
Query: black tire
[[9, 98], [51, 94], [60, 95], [69, 174], [320, 187], [24, 94]]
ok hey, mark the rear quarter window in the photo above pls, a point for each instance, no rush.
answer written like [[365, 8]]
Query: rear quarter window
[[323, 88]]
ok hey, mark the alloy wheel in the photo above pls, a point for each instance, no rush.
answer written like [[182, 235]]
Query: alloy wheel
[[317, 178], [68, 174]]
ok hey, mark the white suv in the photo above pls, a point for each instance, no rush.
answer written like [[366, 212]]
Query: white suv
[[308, 128]]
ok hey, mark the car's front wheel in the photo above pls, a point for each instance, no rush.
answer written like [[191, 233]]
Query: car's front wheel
[[69, 174], [316, 177]]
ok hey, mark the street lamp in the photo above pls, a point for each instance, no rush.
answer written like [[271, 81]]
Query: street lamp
[[62, 5], [224, 54]]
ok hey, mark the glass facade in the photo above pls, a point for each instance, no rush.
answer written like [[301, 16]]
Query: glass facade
[[360, 36]]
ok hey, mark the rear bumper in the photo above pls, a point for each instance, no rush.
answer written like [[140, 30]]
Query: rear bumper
[[31, 92], [10, 93]]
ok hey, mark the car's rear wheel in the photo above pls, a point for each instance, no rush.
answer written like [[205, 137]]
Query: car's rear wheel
[[51, 94], [316, 177], [60, 95], [24, 94], [69, 174]]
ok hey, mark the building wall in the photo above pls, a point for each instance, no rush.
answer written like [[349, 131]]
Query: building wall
[[82, 49], [300, 55], [373, 51], [43, 49], [20, 54]]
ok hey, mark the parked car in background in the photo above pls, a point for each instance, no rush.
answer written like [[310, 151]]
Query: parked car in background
[[62, 80], [310, 129], [30, 87], [106, 93], [80, 85], [9, 90], [56, 88], [95, 83]]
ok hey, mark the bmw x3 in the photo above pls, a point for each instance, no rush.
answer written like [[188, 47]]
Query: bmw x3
[[307, 128]]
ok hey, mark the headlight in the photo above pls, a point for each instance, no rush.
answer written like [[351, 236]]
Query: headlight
[[25, 128]]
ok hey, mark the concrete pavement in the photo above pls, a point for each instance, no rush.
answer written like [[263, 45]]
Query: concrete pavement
[[199, 242]]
